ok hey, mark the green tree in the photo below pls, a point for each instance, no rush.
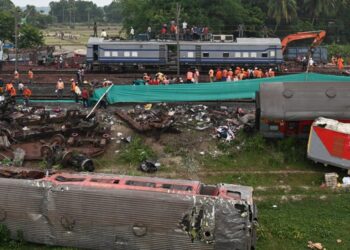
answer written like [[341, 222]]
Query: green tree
[[7, 26], [319, 7], [113, 12], [6, 5], [30, 37], [282, 10]]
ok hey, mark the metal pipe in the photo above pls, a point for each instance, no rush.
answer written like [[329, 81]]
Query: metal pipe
[[98, 102]]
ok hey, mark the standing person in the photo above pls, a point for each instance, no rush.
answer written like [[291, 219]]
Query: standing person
[[85, 97], [30, 76], [103, 34], [95, 29], [20, 87], [77, 93], [224, 75], [73, 84], [60, 61], [27, 93], [218, 75], [78, 75], [211, 75], [59, 88], [8, 87], [16, 76], [340, 63], [196, 75], [132, 33], [82, 75], [13, 95], [189, 76], [149, 32]]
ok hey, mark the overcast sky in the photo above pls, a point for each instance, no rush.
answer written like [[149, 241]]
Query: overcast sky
[[45, 3]]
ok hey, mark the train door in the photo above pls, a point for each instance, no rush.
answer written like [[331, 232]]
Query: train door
[[95, 52], [162, 54], [172, 54], [198, 54]]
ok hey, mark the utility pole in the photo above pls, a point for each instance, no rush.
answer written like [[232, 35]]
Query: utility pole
[[178, 11], [16, 40]]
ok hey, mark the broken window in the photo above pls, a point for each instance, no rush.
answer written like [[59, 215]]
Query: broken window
[[106, 181], [68, 179], [140, 183], [177, 187]]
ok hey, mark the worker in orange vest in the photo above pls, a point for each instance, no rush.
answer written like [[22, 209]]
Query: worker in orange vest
[[340, 63], [27, 93], [189, 76], [30, 76], [218, 75], [8, 87]]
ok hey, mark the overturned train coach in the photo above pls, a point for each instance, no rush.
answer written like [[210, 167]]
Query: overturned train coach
[[105, 54], [97, 211], [289, 108]]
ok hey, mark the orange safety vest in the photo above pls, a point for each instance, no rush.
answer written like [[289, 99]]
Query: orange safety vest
[[219, 75], [9, 86], [13, 92], [27, 92], [72, 88]]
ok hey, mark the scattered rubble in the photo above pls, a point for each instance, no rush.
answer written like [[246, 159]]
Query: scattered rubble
[[227, 121], [55, 136], [149, 166]]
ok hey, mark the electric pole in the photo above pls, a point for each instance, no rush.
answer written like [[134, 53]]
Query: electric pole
[[16, 40], [178, 10]]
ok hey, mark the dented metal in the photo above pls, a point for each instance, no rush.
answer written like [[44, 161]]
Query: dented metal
[[100, 211]]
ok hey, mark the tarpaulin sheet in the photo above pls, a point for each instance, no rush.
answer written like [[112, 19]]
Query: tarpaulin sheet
[[203, 91]]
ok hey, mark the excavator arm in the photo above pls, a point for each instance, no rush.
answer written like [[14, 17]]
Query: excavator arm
[[317, 35]]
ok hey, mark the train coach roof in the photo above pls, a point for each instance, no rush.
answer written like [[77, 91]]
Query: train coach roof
[[304, 100], [259, 41], [240, 41]]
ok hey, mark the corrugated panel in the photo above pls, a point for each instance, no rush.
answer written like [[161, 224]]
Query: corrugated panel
[[94, 218]]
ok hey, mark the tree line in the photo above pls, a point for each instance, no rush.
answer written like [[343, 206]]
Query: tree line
[[270, 18], [273, 18]]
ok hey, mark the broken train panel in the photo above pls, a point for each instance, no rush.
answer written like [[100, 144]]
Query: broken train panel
[[329, 143], [89, 213]]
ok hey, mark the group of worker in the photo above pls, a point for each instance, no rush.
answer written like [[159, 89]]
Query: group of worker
[[9, 88], [75, 90], [229, 75]]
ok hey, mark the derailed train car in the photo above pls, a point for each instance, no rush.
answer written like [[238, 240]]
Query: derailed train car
[[107, 54], [98, 211], [289, 108]]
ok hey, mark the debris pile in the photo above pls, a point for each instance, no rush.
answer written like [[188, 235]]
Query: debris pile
[[226, 121], [55, 136]]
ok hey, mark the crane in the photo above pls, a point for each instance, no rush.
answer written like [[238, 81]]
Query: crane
[[318, 36]]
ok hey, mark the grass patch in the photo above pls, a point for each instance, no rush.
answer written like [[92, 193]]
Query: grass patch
[[253, 152], [269, 180], [291, 225]]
